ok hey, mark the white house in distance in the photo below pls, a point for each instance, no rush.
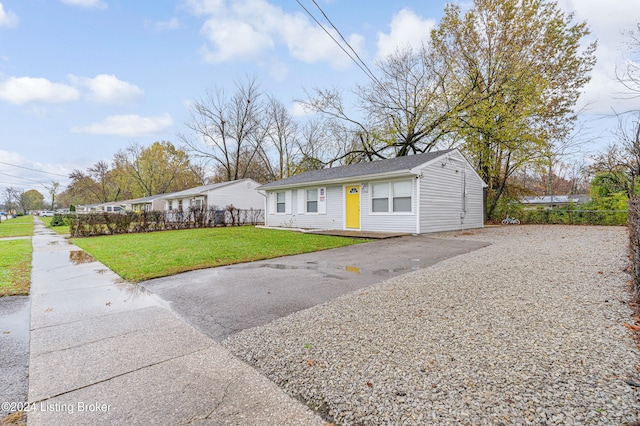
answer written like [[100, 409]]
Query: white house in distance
[[430, 192], [154, 202], [242, 194]]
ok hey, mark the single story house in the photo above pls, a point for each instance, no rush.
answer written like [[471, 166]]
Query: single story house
[[154, 202], [430, 192], [553, 201], [112, 207], [242, 194]]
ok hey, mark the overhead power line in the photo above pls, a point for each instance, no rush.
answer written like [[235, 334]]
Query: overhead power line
[[357, 60], [33, 170]]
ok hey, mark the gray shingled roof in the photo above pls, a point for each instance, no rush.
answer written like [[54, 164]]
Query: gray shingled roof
[[359, 169], [197, 190]]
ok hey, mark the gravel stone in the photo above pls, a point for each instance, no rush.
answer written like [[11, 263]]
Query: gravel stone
[[528, 330]]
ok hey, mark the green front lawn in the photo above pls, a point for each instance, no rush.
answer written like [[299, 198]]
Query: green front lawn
[[63, 230], [22, 226], [15, 267], [138, 257]]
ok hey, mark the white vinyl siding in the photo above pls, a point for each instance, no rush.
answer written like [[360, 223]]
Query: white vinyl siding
[[241, 195], [445, 192], [330, 210]]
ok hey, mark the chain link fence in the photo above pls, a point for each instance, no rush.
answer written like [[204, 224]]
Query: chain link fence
[[92, 224], [634, 244]]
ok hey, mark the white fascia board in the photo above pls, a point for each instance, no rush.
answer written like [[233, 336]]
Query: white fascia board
[[329, 182]]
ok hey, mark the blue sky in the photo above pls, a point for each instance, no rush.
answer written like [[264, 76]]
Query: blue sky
[[82, 79]]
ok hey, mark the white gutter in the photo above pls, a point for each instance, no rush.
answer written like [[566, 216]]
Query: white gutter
[[360, 178]]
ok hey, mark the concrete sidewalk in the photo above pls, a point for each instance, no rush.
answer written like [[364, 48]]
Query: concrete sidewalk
[[107, 352]]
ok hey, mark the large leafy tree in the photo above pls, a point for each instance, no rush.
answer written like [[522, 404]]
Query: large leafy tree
[[99, 184], [156, 169], [523, 65], [26, 200], [500, 81]]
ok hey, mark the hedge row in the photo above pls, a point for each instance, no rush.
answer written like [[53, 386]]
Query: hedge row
[[92, 224], [573, 217]]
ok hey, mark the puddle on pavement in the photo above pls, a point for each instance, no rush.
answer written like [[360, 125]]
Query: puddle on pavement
[[14, 320], [78, 257], [390, 271], [353, 269]]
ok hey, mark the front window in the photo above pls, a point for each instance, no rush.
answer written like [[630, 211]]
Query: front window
[[391, 197], [380, 197], [170, 205], [402, 196], [280, 207], [180, 205], [312, 201]]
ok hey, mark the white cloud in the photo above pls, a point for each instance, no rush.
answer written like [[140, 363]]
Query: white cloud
[[407, 29], [107, 88], [87, 4], [608, 21], [161, 26], [8, 19], [21, 90], [299, 110], [127, 125], [103, 88], [254, 29]]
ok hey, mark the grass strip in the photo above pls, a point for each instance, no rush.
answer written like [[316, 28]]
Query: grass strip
[[15, 267], [22, 226], [62, 230], [139, 257]]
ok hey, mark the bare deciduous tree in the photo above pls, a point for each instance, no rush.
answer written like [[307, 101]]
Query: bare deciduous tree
[[228, 132]]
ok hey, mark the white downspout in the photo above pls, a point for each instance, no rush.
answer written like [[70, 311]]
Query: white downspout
[[418, 197]]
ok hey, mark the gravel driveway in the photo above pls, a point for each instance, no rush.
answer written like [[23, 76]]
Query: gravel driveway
[[528, 330]]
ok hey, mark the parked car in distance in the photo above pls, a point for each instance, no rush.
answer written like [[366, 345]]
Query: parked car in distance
[[46, 213]]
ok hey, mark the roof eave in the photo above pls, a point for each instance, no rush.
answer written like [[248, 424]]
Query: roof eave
[[396, 173]]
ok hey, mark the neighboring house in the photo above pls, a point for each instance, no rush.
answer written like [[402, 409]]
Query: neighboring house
[[87, 208], [431, 192], [113, 207], [553, 201], [154, 202], [242, 194]]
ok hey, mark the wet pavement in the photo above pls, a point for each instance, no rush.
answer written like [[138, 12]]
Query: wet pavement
[[14, 351], [222, 301], [103, 351]]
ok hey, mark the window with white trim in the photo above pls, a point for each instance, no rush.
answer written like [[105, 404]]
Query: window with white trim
[[312, 200], [391, 197], [401, 196], [380, 197], [280, 202], [170, 205]]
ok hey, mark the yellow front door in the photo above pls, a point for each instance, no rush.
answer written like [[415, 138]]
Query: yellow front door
[[353, 206]]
